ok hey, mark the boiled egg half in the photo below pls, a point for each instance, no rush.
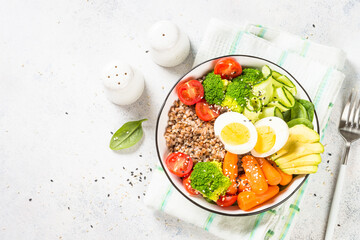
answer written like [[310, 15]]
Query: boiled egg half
[[273, 133], [236, 132]]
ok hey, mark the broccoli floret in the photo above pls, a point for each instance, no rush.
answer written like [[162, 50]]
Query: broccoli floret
[[239, 90], [208, 179], [214, 88], [236, 94], [249, 75]]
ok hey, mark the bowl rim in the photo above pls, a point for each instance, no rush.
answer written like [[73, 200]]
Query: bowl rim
[[159, 155]]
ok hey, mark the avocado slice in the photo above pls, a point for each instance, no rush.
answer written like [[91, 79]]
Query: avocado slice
[[298, 133], [308, 160], [298, 150], [304, 133], [300, 170]]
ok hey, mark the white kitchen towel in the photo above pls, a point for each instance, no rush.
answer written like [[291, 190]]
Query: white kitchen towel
[[317, 67]]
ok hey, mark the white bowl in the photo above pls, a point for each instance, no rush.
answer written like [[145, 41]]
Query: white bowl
[[195, 73]]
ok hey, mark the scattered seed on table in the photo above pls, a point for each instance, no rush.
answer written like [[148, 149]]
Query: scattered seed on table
[[138, 197], [111, 133], [91, 226], [150, 169], [103, 177], [329, 154], [338, 225], [314, 194], [140, 173], [108, 195], [137, 169], [51, 180], [147, 51], [144, 177], [30, 199], [328, 161], [313, 25], [95, 180], [124, 168], [68, 208], [140, 155], [66, 113]]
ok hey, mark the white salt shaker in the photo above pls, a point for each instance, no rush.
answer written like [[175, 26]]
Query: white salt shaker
[[123, 84], [169, 45]]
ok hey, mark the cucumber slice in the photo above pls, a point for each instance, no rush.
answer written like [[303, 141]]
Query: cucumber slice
[[284, 96], [275, 74], [252, 115], [271, 112], [298, 111], [264, 91], [287, 115], [310, 108], [266, 71], [254, 104], [286, 81], [279, 105], [298, 121]]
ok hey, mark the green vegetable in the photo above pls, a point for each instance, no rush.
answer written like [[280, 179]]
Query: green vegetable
[[128, 135], [239, 89], [250, 75], [214, 88], [287, 115], [208, 179], [310, 108], [298, 111], [298, 121]]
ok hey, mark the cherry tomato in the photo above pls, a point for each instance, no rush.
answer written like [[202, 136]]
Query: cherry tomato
[[179, 163], [205, 112], [226, 201], [190, 92], [228, 68], [187, 186]]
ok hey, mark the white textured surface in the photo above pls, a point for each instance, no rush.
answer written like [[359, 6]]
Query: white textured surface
[[55, 121]]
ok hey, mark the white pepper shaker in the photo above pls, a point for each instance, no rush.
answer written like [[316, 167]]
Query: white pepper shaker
[[169, 45], [123, 84]]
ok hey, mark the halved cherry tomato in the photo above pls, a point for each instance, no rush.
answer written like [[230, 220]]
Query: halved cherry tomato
[[226, 201], [179, 163], [187, 186], [228, 68], [205, 112], [190, 92]]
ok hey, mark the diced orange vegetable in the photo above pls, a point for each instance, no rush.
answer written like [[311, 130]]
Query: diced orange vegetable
[[272, 175], [243, 183], [230, 169], [255, 175], [285, 178], [248, 200]]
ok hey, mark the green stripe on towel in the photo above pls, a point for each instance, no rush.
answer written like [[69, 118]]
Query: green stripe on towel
[[293, 211], [208, 221], [283, 57], [236, 42], [166, 198], [322, 86], [257, 222], [269, 234]]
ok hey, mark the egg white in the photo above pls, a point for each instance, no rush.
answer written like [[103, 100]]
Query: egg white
[[234, 117], [281, 130]]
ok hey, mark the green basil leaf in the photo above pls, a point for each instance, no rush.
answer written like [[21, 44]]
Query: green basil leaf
[[128, 135]]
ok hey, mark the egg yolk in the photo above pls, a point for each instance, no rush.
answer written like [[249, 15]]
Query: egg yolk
[[235, 134], [266, 139]]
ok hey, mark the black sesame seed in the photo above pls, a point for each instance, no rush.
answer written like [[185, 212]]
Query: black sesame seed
[[66, 113], [150, 169], [329, 154], [137, 169], [328, 161], [111, 133], [103, 177], [314, 194], [95, 180], [140, 155], [313, 25], [68, 208], [108, 195], [30, 199], [51, 180], [138, 197], [338, 225], [91, 226], [147, 51]]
